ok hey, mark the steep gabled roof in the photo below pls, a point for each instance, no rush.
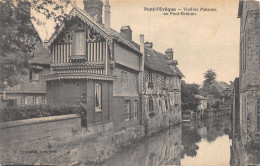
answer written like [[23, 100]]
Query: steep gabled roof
[[122, 39], [86, 18], [157, 61], [41, 55]]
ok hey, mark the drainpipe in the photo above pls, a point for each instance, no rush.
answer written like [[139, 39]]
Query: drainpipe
[[141, 73]]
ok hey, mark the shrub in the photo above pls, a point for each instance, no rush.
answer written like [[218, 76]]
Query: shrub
[[38, 111]]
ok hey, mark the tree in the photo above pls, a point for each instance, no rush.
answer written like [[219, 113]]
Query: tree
[[210, 77], [208, 88], [18, 35], [188, 96]]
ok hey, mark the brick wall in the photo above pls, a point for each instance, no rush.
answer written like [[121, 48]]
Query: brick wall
[[69, 92]]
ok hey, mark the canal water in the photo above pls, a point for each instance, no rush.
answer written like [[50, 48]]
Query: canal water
[[196, 143]]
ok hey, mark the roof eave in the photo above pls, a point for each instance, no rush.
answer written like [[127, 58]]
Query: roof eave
[[75, 11]]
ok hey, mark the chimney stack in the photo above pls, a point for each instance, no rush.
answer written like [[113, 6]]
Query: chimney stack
[[148, 44], [127, 32], [169, 53], [142, 44], [107, 14], [94, 9]]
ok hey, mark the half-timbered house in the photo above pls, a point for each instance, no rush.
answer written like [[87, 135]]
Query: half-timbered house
[[90, 59], [161, 89], [81, 52]]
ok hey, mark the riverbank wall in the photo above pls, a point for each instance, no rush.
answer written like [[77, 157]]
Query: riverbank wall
[[61, 140], [161, 122], [209, 113]]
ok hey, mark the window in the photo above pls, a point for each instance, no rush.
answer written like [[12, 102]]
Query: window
[[35, 100], [35, 75], [151, 104], [98, 102], [127, 110], [166, 104], [124, 78], [135, 109], [23, 101], [43, 100], [79, 42], [150, 77]]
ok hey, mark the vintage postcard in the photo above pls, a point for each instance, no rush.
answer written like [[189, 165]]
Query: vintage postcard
[[130, 82]]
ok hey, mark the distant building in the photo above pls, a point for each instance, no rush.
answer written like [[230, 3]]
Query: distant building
[[32, 89], [249, 74], [210, 101], [202, 107]]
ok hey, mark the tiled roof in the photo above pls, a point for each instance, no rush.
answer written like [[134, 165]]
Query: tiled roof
[[158, 61], [41, 55]]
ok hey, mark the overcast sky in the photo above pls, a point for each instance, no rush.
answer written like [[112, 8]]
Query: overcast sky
[[207, 40]]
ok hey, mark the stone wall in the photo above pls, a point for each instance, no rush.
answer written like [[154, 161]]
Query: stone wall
[[160, 122], [62, 140], [24, 141]]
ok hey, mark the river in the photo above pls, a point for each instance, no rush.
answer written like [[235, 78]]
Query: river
[[197, 143]]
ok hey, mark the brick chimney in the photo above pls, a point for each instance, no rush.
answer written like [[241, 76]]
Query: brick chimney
[[148, 44], [94, 9], [127, 32], [107, 14], [169, 53]]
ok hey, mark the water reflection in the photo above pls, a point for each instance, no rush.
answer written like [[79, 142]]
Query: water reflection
[[185, 144]]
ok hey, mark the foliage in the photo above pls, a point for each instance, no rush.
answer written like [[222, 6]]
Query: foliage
[[210, 77], [18, 35], [37, 111], [208, 88], [215, 105], [188, 93]]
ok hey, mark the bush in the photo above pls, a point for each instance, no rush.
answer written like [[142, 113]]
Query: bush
[[38, 111]]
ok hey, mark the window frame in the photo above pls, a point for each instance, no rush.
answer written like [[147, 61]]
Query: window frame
[[36, 101], [43, 100], [23, 100], [124, 78], [35, 75], [98, 86], [127, 110], [74, 42], [135, 109]]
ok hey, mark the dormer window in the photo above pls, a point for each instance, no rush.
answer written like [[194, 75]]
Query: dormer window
[[34, 75]]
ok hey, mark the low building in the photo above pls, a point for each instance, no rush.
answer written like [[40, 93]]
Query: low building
[[32, 89], [202, 107]]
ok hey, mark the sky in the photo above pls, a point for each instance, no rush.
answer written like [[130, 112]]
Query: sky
[[207, 40]]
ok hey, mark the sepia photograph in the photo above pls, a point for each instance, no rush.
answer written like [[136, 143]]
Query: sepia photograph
[[130, 82]]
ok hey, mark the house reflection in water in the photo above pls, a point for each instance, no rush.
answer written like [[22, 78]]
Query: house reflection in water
[[176, 146]]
